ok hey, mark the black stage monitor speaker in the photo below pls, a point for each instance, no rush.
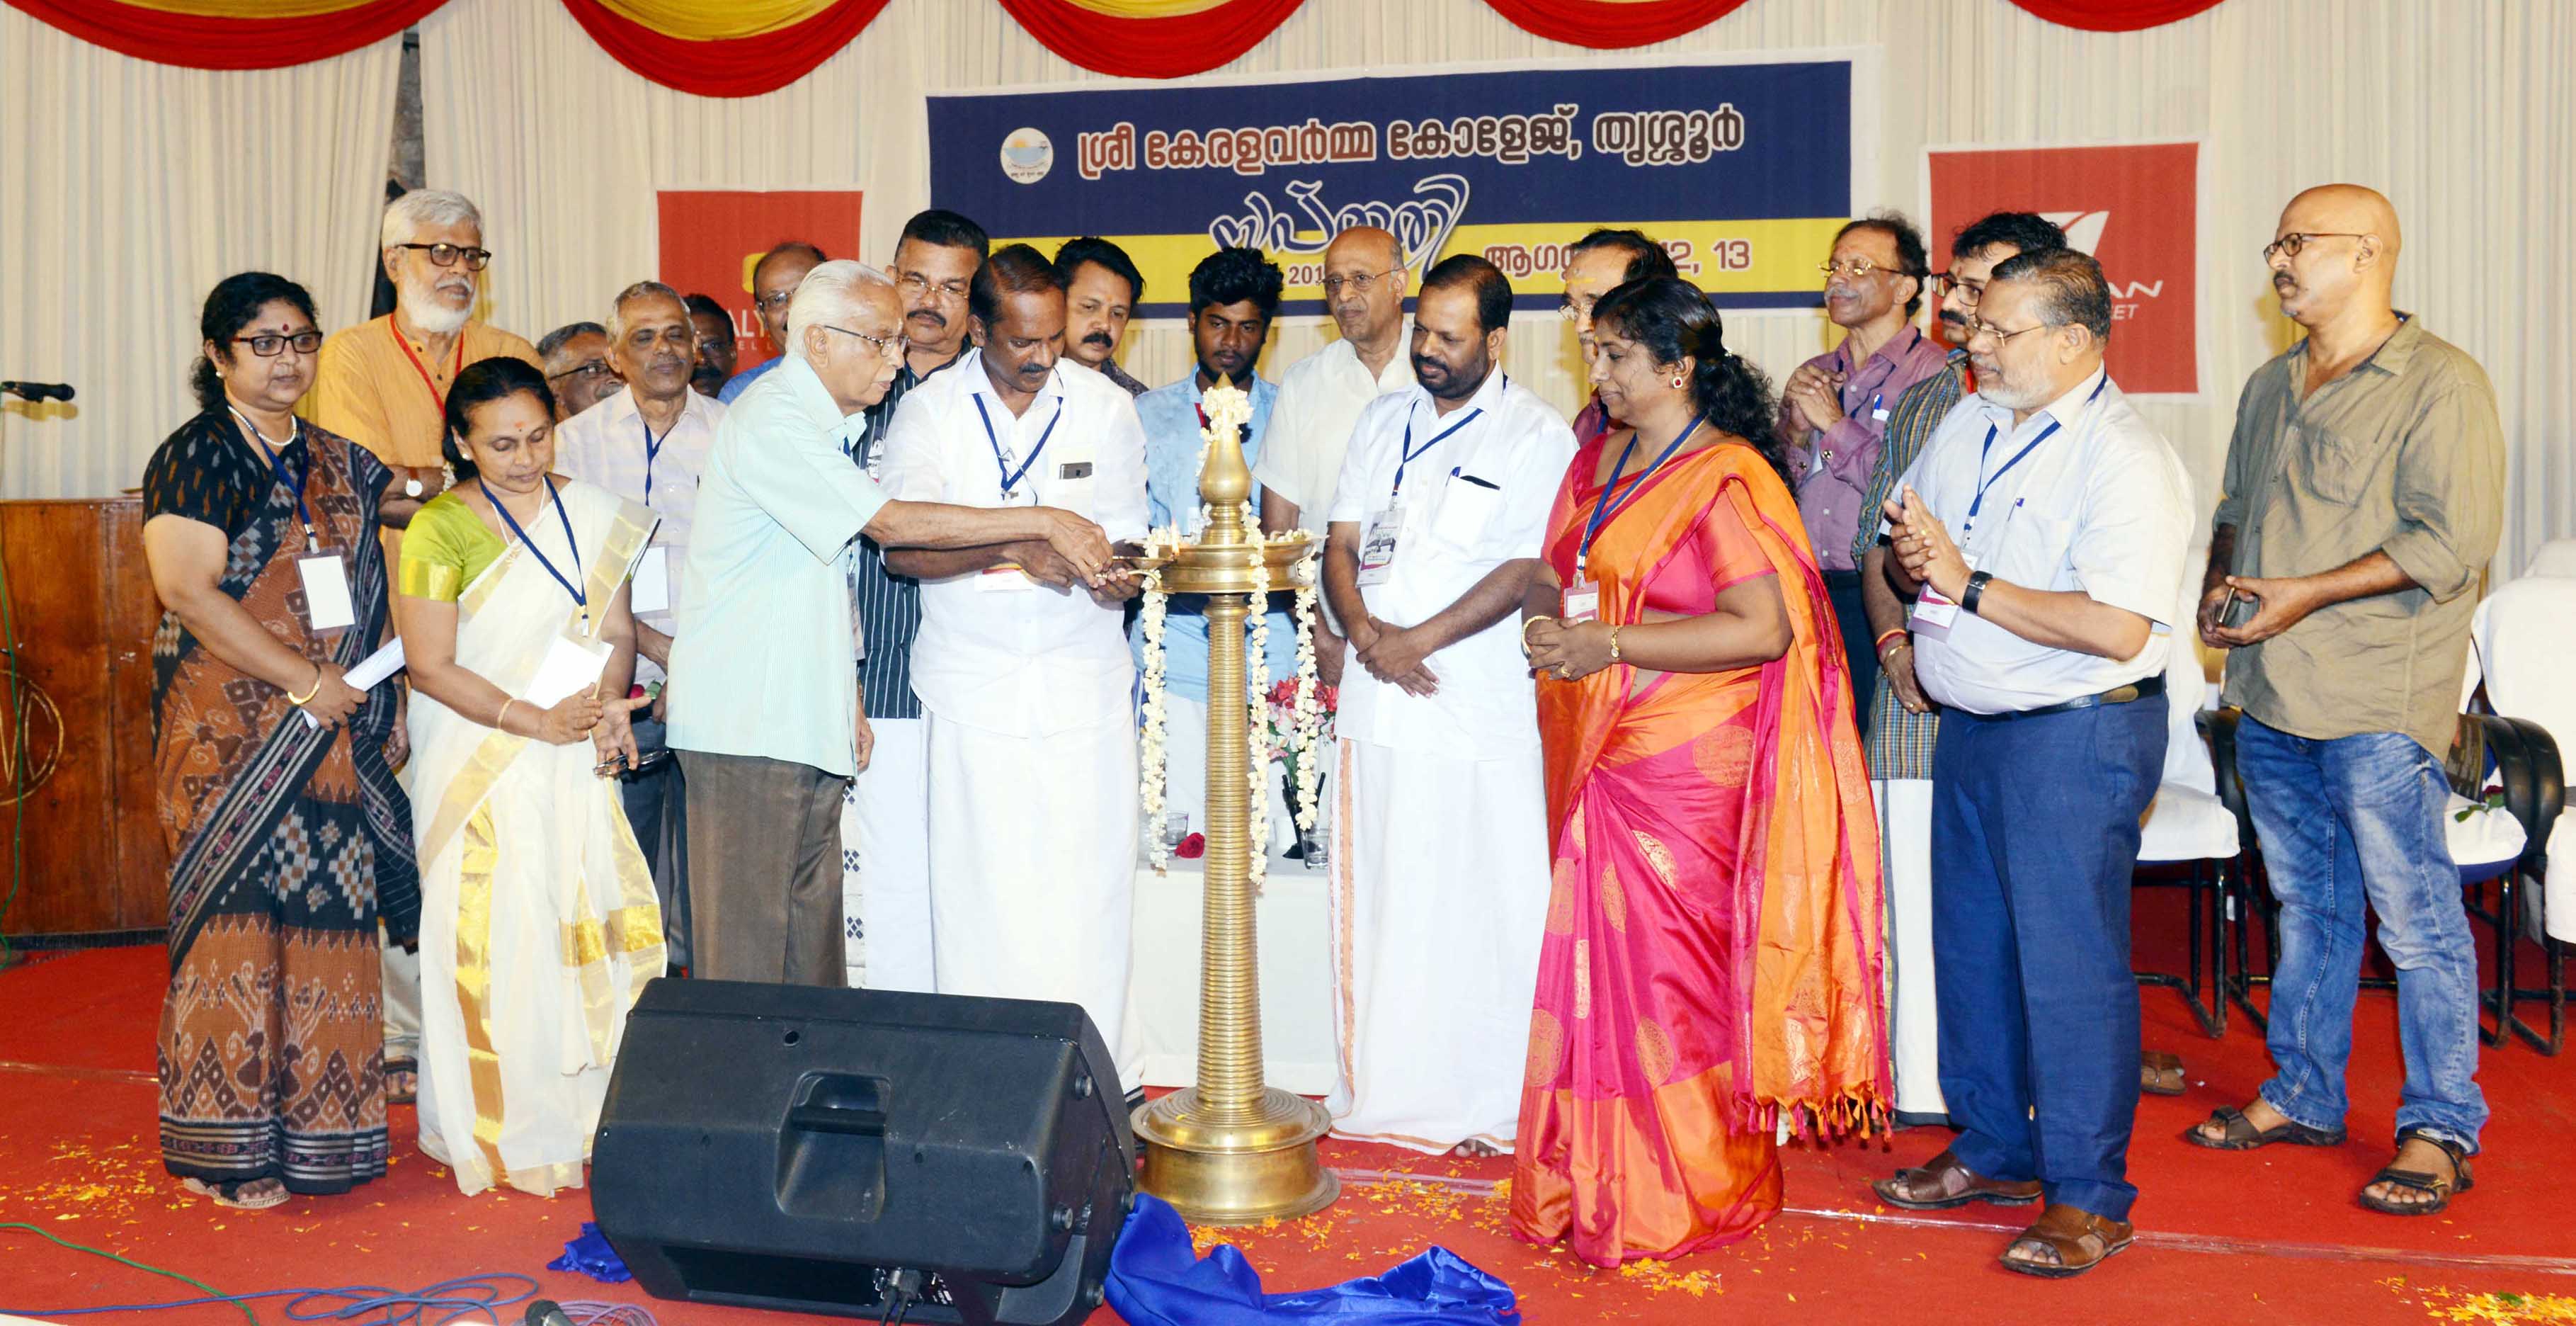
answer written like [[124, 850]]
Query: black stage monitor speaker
[[864, 1153]]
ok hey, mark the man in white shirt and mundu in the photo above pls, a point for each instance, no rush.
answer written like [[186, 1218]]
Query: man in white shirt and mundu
[[1023, 670], [1440, 871], [2045, 525]]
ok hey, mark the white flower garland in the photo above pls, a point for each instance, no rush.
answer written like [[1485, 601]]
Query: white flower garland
[[1308, 717], [1256, 663], [1151, 758]]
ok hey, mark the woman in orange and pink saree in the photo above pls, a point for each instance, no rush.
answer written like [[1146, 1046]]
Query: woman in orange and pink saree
[[1713, 960]]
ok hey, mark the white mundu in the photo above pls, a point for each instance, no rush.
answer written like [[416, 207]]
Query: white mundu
[[1439, 861], [1027, 691]]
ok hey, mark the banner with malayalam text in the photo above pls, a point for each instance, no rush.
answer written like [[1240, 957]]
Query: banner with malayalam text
[[1742, 166]]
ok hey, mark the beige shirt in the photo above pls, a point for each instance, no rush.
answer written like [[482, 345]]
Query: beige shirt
[[2402, 455], [388, 393], [1320, 399]]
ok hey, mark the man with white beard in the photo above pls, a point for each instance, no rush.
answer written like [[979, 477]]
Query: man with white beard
[[383, 385]]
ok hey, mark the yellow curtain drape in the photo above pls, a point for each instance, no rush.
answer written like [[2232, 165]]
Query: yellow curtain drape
[[1147, 8], [248, 8], [717, 20]]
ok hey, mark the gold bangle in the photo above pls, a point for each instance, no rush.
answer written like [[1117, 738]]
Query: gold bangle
[[1525, 628], [500, 721], [1614, 641], [300, 701]]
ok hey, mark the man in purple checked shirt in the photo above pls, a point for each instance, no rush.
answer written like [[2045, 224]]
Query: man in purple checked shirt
[[1834, 408]]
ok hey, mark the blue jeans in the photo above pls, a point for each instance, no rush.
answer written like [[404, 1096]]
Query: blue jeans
[[2034, 838], [2342, 822]]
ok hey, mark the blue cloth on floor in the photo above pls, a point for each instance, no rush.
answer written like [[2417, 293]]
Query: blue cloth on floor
[[591, 1255], [1155, 1279]]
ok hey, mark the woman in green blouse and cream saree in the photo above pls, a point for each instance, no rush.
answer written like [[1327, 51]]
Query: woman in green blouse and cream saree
[[538, 924]]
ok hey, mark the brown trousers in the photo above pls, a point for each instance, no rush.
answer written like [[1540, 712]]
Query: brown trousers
[[764, 869]]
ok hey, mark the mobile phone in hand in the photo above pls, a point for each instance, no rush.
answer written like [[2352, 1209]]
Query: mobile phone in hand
[[2239, 609]]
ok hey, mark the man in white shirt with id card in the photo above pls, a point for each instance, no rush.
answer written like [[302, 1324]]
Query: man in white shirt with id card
[[2045, 526], [649, 444], [1023, 672], [1439, 885]]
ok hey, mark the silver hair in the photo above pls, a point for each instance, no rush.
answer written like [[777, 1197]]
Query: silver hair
[[829, 291], [639, 290], [407, 215]]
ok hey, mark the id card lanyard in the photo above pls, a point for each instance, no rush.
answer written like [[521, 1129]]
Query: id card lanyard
[[1978, 502], [1581, 601], [437, 397], [580, 597], [652, 451], [287, 476], [1011, 477], [1411, 453]]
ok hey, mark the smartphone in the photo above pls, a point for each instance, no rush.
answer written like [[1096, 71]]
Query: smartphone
[[2239, 609]]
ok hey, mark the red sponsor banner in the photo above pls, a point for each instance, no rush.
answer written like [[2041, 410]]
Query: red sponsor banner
[[711, 238], [2135, 207]]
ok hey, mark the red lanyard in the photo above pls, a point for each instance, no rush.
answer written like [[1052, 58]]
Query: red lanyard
[[437, 397]]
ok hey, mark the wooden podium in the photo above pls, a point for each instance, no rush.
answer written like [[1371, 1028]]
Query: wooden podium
[[82, 601]]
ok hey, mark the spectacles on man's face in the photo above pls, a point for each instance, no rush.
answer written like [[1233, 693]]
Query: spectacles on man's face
[[2299, 239], [892, 347], [1969, 292], [445, 255], [1358, 285], [1855, 268], [915, 285], [776, 301], [1978, 327], [1577, 307], [270, 345], [588, 371]]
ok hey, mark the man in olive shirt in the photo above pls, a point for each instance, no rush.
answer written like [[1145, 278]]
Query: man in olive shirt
[[2364, 493]]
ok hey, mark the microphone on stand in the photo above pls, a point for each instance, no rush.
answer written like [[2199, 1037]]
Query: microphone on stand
[[38, 391]]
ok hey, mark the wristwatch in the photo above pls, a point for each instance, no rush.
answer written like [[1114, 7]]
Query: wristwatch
[[1976, 589], [412, 487]]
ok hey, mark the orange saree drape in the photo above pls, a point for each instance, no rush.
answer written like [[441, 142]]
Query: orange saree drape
[[1713, 955]]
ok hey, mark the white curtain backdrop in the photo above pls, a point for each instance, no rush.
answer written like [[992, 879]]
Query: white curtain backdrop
[[2464, 114], [131, 189]]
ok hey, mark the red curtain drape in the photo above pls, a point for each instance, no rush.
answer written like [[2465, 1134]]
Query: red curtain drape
[[2115, 15], [201, 42], [1607, 26], [735, 67], [1151, 47]]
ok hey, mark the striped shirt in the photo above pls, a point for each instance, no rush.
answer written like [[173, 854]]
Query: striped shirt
[[886, 606], [1899, 743]]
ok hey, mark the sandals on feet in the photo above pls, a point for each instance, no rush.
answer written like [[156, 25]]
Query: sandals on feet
[[1944, 1182], [2160, 1073], [409, 1092], [2078, 1240], [230, 1194], [2242, 1135], [2439, 1186]]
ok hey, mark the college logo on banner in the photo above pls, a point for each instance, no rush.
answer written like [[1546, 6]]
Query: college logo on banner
[[711, 238], [2135, 208], [1742, 169]]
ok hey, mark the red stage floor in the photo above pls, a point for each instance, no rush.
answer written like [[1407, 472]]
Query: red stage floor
[[2271, 1236]]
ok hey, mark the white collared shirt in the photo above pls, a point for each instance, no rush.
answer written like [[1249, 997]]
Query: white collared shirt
[[1320, 399], [1472, 502], [605, 446], [1023, 660], [762, 664], [2101, 506]]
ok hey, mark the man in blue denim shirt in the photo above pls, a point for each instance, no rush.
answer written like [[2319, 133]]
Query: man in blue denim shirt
[[1234, 294], [2364, 494]]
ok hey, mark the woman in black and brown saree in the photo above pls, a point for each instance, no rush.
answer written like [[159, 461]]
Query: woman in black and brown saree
[[291, 837]]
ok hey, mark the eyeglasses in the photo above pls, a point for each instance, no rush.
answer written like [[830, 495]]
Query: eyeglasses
[[445, 255], [1857, 268], [1969, 292], [776, 301], [590, 371], [1978, 327], [1577, 309], [915, 285], [2297, 239], [271, 345], [892, 347], [1334, 285]]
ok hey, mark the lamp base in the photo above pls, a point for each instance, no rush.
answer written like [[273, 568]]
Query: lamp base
[[1240, 1169]]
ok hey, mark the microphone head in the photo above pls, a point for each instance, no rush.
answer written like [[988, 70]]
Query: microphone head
[[546, 1312], [62, 391]]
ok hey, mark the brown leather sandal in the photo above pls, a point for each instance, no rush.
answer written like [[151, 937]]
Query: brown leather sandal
[[2242, 1135], [2440, 1186], [1943, 1182], [408, 1092], [2160, 1073], [2078, 1239]]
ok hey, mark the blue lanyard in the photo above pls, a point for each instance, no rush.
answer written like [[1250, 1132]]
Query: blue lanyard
[[287, 476], [653, 452], [1412, 453], [1011, 477], [1989, 481], [1608, 505], [579, 597]]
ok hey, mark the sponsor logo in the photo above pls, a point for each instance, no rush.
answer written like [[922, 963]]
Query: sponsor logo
[[1027, 156]]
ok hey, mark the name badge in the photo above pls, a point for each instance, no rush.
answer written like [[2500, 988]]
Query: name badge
[[1378, 546], [1580, 602], [1934, 613], [326, 591], [571, 665], [651, 590], [1004, 579], [1878, 415]]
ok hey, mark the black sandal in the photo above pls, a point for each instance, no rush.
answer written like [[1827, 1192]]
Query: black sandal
[[2418, 1181], [2242, 1135]]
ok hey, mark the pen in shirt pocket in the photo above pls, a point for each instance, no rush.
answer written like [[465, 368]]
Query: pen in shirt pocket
[[1487, 485]]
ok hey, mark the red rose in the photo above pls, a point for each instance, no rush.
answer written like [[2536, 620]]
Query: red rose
[[1192, 847]]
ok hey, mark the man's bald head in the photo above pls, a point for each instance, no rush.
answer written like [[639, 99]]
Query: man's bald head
[[1364, 284], [2334, 254]]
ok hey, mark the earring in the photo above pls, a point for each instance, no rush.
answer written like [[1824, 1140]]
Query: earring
[[1677, 380]]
